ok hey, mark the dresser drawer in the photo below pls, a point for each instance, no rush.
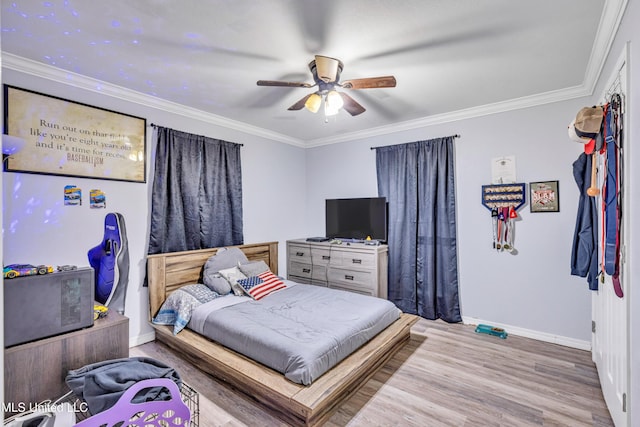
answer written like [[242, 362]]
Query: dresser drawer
[[298, 279], [299, 253], [356, 289], [352, 277], [321, 256], [300, 269], [319, 272], [354, 260], [322, 283]]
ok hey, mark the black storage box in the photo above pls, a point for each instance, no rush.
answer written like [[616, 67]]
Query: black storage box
[[41, 306]]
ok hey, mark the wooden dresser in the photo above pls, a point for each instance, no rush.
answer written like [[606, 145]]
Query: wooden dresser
[[354, 267], [35, 371]]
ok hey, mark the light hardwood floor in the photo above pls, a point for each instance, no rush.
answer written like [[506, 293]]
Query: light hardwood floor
[[447, 375]]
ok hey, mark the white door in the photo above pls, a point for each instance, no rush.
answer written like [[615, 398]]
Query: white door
[[609, 312]]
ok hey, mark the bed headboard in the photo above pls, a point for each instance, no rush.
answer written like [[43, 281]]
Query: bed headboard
[[168, 272]]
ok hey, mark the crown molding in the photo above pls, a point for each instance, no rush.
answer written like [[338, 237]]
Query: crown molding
[[612, 14], [613, 11], [454, 116], [45, 71]]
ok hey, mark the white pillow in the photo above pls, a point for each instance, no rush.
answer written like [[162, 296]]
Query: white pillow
[[232, 275]]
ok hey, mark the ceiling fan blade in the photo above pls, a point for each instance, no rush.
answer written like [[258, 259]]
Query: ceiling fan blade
[[350, 105], [370, 83], [300, 104], [282, 84]]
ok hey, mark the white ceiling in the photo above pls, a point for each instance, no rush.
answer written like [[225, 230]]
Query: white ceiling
[[451, 59]]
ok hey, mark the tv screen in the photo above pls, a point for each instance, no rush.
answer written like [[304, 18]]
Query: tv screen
[[357, 218]]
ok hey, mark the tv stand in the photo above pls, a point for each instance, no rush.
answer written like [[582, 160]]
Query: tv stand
[[353, 265]]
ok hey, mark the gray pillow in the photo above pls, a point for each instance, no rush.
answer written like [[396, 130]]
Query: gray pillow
[[223, 259], [217, 283], [253, 268]]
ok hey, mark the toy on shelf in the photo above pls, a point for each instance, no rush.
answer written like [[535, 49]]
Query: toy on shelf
[[15, 270], [100, 311]]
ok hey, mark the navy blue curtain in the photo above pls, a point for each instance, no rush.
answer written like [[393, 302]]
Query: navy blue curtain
[[197, 193], [418, 181]]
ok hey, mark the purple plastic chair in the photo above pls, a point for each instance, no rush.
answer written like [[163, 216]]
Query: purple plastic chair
[[157, 413]]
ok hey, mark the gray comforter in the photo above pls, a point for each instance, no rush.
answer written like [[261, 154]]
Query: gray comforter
[[301, 331]]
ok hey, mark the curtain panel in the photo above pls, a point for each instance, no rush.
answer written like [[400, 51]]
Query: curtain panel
[[197, 193], [418, 181]]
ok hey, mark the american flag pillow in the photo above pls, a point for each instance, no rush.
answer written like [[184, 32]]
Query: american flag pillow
[[261, 285]]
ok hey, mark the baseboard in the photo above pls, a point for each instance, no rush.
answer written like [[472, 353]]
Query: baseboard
[[512, 330], [141, 339], [529, 333]]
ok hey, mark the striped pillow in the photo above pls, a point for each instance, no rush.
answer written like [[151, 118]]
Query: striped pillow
[[258, 287]]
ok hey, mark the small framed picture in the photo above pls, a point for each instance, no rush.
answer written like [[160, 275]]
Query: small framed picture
[[544, 196]]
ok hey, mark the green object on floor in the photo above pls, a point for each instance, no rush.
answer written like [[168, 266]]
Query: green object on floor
[[491, 330]]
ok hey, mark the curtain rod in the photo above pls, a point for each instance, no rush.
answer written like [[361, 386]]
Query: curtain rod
[[156, 126], [382, 146]]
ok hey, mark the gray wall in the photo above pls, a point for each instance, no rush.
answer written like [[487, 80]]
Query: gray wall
[[532, 290], [39, 229]]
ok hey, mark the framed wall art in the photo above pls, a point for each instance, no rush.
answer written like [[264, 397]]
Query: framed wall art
[[544, 196], [67, 138]]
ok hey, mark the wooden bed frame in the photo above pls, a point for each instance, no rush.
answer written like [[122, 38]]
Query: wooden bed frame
[[296, 404]]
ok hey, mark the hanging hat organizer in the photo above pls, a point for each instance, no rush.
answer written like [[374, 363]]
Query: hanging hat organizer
[[503, 200], [503, 196]]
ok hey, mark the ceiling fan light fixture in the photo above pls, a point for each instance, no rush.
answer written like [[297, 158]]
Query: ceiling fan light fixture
[[333, 103], [313, 103], [334, 100]]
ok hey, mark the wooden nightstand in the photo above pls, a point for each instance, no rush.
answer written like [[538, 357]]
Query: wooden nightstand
[[35, 371]]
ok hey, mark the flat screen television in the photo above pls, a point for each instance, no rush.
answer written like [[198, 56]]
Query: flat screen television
[[357, 218]]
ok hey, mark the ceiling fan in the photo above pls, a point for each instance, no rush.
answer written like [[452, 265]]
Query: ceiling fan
[[326, 74]]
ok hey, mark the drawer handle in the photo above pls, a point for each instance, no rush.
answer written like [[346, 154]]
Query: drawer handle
[[356, 261], [326, 257], [306, 270], [348, 277], [299, 253]]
